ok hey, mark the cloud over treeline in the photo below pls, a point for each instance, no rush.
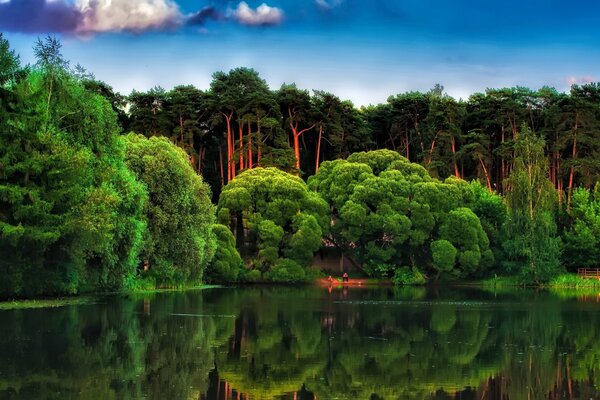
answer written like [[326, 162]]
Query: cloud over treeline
[[263, 15], [88, 17]]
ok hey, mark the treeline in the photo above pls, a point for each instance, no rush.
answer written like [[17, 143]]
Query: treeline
[[240, 123], [84, 207]]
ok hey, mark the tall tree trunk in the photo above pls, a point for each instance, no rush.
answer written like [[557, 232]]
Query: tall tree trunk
[[296, 135], [487, 175], [416, 124], [573, 158], [230, 165], [392, 140], [181, 128], [200, 155], [259, 140], [431, 150], [319, 148], [453, 144], [249, 145], [241, 130], [503, 168], [297, 150], [406, 143], [560, 181]]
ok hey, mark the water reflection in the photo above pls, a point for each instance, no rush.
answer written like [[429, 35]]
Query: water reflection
[[309, 343]]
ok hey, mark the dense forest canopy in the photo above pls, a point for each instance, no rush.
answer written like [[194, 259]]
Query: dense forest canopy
[[422, 187]]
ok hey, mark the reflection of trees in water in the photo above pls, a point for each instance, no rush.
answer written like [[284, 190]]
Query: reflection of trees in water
[[269, 342], [428, 351], [106, 352]]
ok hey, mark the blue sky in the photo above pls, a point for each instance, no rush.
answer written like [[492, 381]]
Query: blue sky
[[360, 50]]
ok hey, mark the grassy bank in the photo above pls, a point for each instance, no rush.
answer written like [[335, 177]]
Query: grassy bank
[[45, 303], [563, 281], [169, 290], [87, 298]]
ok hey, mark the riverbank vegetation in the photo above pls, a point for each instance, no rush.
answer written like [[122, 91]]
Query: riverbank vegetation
[[242, 183]]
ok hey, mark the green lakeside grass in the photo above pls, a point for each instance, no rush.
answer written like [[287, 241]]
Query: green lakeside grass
[[563, 281], [169, 290], [563, 285], [45, 303], [85, 299]]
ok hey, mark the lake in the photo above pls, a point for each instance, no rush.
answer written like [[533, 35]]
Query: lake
[[306, 343]]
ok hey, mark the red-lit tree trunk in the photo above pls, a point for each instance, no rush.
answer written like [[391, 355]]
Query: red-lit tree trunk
[[573, 158], [453, 145], [249, 145], [230, 165], [241, 130], [560, 181], [319, 148], [258, 141], [485, 172], [294, 125]]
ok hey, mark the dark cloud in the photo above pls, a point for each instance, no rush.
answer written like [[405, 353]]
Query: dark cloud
[[39, 16], [204, 15]]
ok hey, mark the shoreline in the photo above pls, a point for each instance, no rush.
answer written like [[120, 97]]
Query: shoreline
[[564, 283], [85, 298]]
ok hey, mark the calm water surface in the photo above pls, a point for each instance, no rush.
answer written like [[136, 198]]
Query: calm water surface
[[306, 343]]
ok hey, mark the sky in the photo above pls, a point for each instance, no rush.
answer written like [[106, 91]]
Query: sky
[[361, 50]]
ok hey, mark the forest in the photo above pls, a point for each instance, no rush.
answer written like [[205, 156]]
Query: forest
[[244, 183]]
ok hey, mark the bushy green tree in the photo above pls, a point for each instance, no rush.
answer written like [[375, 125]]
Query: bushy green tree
[[180, 241], [463, 230], [227, 264], [533, 246], [70, 211], [387, 212], [277, 220], [582, 237]]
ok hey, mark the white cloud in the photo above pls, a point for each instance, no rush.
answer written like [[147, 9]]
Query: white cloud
[[127, 15], [328, 4], [263, 15]]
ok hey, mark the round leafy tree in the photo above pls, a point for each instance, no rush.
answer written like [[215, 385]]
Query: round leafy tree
[[277, 221], [180, 241], [393, 219]]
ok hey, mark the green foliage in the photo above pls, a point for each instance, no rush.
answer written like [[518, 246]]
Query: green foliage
[[180, 241], [444, 255], [388, 211], [581, 238], [226, 265], [286, 270], [533, 247], [491, 209], [463, 230], [277, 220], [70, 211], [408, 276]]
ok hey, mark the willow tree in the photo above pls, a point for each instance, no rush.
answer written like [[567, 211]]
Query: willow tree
[[533, 248], [180, 241]]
